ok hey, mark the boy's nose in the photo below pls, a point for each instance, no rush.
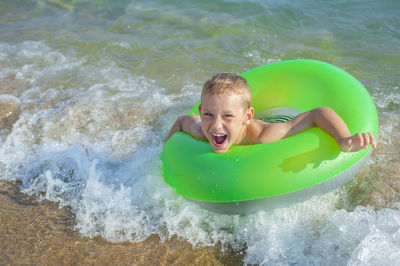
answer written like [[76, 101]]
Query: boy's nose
[[218, 123]]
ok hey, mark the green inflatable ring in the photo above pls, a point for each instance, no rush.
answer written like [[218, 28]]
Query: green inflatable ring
[[251, 177]]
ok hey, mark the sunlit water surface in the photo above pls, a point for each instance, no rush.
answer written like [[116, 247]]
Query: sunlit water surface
[[89, 90]]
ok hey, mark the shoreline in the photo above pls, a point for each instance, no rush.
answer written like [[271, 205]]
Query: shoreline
[[35, 232]]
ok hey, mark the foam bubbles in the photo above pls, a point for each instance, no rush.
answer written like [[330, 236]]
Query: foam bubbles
[[360, 236], [387, 99], [119, 201], [60, 177]]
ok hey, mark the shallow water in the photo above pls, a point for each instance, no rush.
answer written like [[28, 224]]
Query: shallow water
[[89, 90]]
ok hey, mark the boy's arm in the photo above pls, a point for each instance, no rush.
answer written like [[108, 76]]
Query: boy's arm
[[187, 123], [324, 118]]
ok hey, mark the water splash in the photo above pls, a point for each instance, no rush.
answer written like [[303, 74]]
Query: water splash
[[89, 136]]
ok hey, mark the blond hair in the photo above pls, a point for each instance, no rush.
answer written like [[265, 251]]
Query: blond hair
[[228, 83]]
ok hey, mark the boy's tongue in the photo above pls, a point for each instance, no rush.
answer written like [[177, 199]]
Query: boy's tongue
[[220, 139]]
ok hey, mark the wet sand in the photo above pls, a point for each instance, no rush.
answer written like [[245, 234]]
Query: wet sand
[[35, 232]]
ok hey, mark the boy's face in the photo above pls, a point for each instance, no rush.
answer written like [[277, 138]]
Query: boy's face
[[224, 119]]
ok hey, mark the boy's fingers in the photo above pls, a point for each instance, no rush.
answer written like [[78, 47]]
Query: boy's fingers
[[373, 141], [360, 139], [366, 140], [369, 140]]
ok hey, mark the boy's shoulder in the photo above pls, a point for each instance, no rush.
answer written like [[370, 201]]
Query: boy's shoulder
[[253, 131], [259, 132]]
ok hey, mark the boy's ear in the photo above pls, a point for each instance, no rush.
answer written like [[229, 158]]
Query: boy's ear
[[249, 116], [199, 109]]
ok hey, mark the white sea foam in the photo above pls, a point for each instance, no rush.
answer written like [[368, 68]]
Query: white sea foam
[[96, 148]]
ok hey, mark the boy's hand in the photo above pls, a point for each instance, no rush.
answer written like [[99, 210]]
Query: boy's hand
[[358, 142], [190, 124]]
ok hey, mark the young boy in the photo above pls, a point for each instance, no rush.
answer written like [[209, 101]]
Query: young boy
[[226, 118]]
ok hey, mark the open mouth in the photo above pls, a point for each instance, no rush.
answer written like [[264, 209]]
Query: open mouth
[[218, 139]]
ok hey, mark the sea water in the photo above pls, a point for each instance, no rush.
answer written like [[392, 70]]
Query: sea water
[[90, 89]]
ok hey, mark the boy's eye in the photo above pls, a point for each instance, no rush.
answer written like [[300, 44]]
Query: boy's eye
[[208, 114], [228, 115]]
